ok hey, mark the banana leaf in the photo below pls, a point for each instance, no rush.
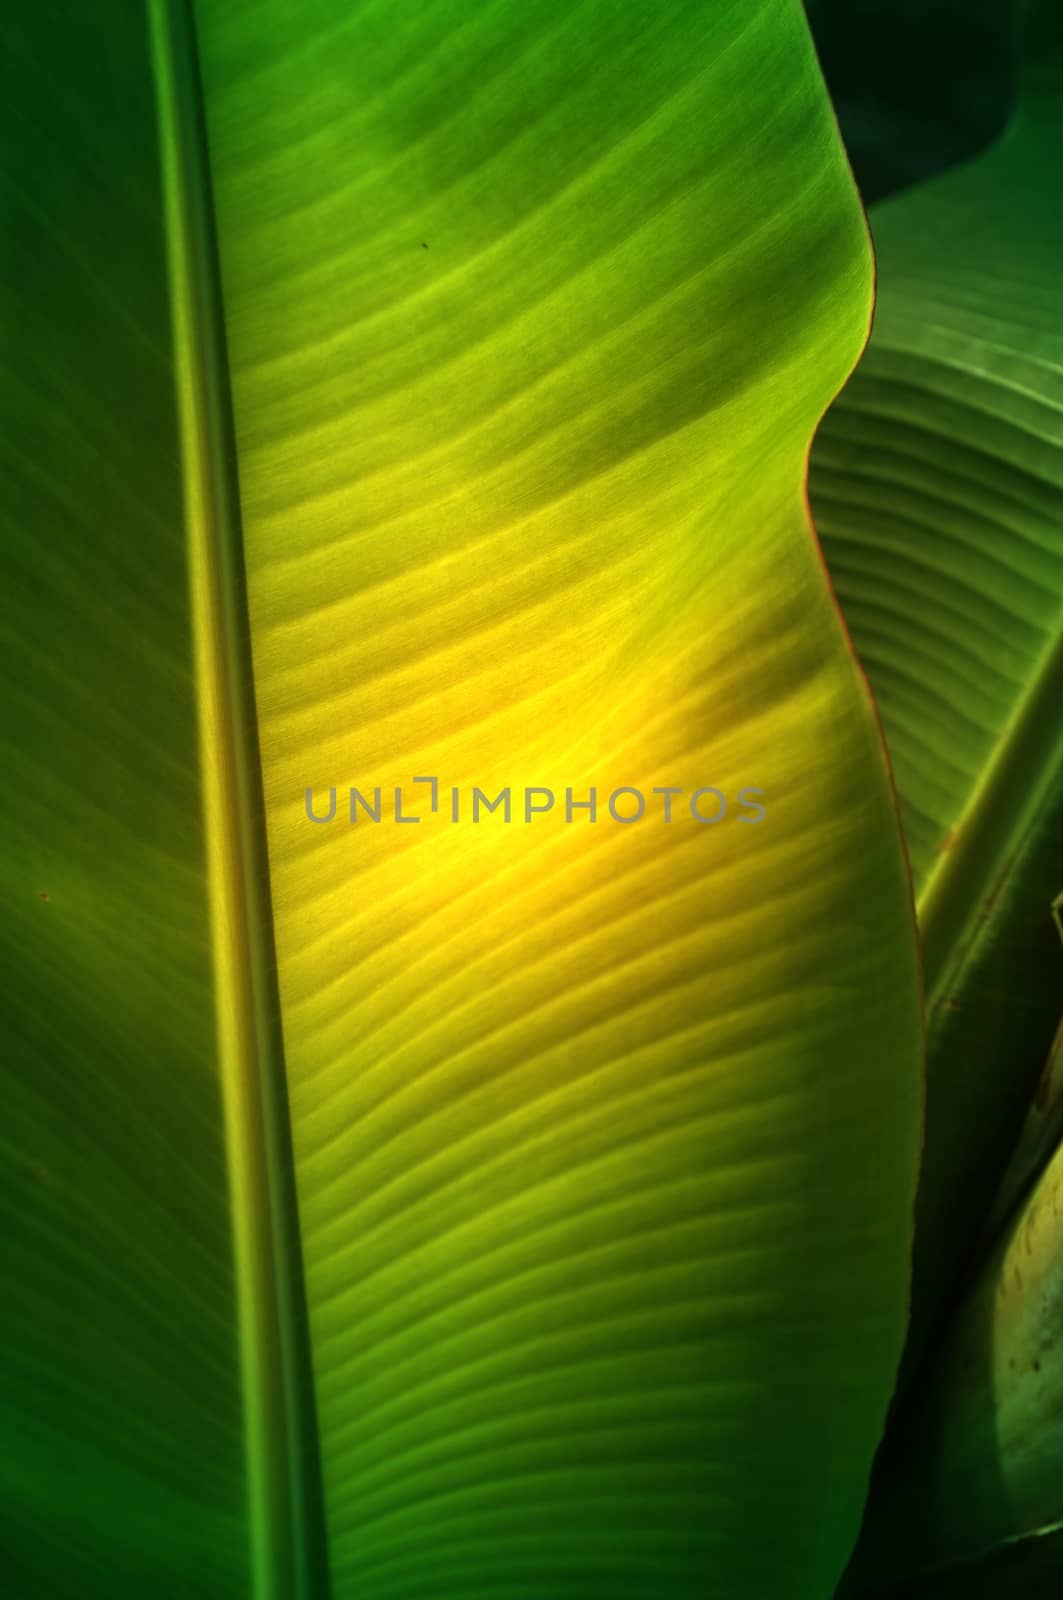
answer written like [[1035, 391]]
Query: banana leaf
[[937, 484], [969, 1497], [409, 391]]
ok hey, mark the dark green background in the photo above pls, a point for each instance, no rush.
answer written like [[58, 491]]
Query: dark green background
[[918, 85]]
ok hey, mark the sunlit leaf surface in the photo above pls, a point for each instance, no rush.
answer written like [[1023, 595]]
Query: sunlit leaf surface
[[604, 1133]]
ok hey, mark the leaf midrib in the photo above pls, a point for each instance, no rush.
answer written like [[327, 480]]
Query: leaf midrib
[[285, 1501]]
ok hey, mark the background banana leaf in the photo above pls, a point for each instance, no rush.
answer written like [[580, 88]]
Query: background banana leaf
[[937, 484], [970, 1488]]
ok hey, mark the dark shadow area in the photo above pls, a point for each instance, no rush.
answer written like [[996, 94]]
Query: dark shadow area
[[918, 1463], [918, 85]]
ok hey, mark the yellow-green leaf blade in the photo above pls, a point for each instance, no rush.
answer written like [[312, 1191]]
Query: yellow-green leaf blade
[[604, 1136]]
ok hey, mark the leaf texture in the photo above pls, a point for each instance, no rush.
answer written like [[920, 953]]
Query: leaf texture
[[937, 483], [603, 1135]]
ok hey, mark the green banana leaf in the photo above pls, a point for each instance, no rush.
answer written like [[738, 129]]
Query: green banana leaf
[[1042, 1132], [937, 485], [970, 1495], [399, 391]]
